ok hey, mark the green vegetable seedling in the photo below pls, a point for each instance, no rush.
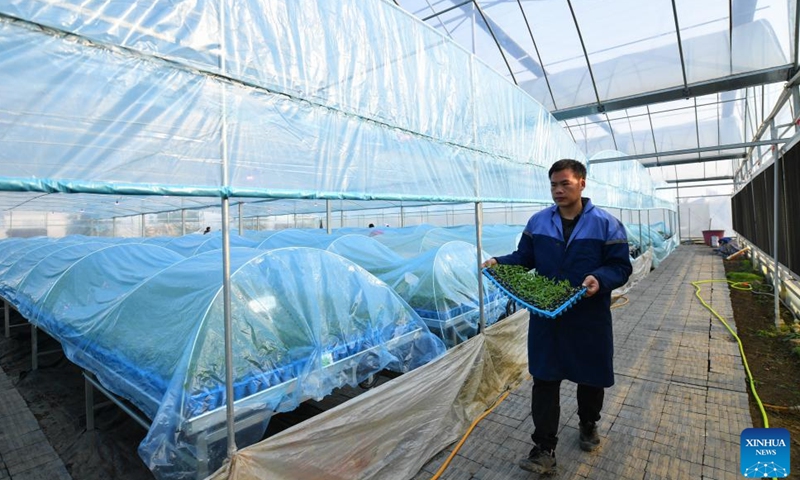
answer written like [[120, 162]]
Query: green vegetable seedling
[[537, 290]]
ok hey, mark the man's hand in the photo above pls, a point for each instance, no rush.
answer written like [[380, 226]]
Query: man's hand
[[489, 263], [591, 284]]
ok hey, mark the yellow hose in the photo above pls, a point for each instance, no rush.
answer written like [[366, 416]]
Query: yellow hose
[[469, 431], [614, 302], [736, 286]]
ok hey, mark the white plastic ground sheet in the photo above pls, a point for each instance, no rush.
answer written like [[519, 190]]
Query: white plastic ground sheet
[[641, 267], [393, 430]]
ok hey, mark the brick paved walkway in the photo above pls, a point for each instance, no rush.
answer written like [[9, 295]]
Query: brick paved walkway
[[25, 453], [678, 406]]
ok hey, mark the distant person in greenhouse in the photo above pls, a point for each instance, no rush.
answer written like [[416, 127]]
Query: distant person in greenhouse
[[207, 230], [577, 241]]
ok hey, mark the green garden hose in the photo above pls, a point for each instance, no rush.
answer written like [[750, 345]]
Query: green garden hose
[[736, 286]]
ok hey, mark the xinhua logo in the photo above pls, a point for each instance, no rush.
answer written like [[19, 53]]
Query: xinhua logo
[[764, 452]]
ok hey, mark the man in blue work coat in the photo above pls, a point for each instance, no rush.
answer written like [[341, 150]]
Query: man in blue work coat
[[577, 241]]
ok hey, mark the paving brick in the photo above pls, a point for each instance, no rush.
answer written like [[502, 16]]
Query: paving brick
[[679, 403], [54, 470]]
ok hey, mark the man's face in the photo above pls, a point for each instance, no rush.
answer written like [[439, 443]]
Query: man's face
[[566, 188]]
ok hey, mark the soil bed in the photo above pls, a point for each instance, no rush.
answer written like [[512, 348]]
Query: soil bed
[[769, 351]]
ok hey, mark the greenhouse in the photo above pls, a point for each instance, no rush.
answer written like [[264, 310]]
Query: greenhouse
[[250, 239]]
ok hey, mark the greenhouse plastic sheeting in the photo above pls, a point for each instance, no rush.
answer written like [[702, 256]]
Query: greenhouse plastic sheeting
[[368, 253], [405, 241], [393, 430], [305, 321], [296, 238], [411, 241], [440, 284], [624, 184], [156, 87], [16, 273], [651, 237], [36, 285], [661, 252], [188, 245], [641, 268], [10, 252]]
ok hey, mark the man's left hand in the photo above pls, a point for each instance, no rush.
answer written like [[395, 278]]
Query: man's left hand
[[591, 284]]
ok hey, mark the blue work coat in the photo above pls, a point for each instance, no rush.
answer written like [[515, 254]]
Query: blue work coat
[[579, 344]]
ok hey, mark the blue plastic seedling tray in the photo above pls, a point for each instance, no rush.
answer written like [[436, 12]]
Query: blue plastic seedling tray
[[538, 311]]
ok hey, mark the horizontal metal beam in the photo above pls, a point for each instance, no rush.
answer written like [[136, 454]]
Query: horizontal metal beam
[[689, 151], [673, 187], [685, 161], [734, 82], [706, 196], [706, 179], [453, 7]]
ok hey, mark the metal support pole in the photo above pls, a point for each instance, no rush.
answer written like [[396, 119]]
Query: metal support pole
[[776, 276], [142, 226], [116, 401], [669, 222], [649, 232], [796, 103], [7, 315], [678, 212], [328, 227], [34, 347], [89, 393], [226, 291], [641, 243], [241, 219], [341, 216], [226, 253], [183, 221], [113, 226], [689, 223], [478, 241], [402, 216]]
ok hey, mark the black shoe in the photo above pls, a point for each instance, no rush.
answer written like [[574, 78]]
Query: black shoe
[[539, 461], [589, 438]]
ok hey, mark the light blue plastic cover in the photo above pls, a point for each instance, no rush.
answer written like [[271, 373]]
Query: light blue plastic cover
[[149, 323], [655, 236], [295, 238], [15, 273], [188, 245], [440, 284], [36, 285]]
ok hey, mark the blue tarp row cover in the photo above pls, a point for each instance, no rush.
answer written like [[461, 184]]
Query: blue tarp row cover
[[148, 322]]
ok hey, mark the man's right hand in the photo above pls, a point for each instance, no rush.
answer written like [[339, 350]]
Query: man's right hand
[[489, 263]]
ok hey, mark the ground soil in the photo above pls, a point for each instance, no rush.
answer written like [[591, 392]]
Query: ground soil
[[774, 367]]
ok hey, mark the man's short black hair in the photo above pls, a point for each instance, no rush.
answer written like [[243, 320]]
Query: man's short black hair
[[568, 164]]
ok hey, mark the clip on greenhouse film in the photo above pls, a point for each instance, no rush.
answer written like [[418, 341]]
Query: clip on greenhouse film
[[538, 311]]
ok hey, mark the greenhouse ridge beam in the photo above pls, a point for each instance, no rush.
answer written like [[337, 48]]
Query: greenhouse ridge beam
[[735, 82], [700, 179], [690, 151], [686, 161], [721, 184]]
